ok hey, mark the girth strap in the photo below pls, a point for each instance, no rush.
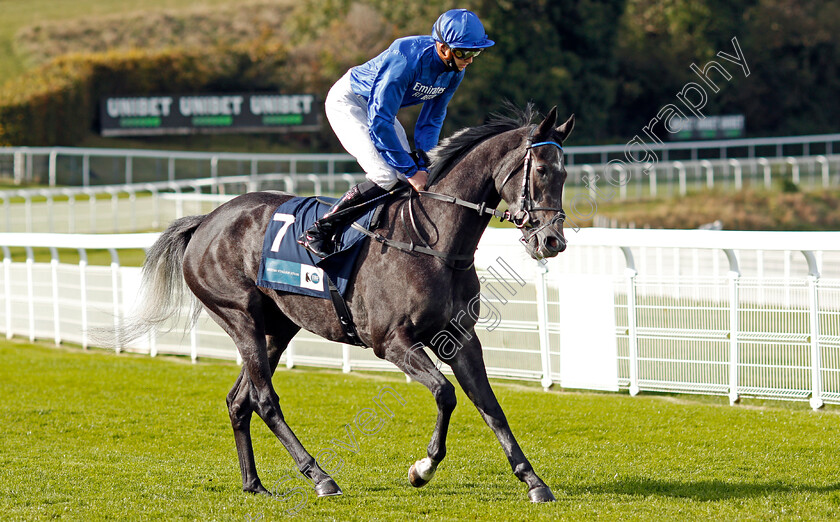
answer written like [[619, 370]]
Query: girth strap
[[344, 316]]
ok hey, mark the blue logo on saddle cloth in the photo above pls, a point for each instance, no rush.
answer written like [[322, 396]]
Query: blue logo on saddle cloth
[[287, 266]]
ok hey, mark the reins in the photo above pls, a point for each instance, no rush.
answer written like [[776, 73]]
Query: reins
[[411, 247], [521, 219]]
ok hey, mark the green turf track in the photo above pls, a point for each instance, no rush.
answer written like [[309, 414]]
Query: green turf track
[[95, 436]]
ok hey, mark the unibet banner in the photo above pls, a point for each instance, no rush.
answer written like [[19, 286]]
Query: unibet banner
[[708, 128], [207, 113]]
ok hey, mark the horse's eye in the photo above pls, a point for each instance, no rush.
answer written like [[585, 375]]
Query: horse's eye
[[541, 170]]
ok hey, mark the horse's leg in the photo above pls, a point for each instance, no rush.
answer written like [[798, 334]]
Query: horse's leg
[[239, 311], [240, 410], [468, 366], [416, 363], [239, 401]]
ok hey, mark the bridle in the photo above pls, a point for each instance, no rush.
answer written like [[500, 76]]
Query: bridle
[[521, 218]]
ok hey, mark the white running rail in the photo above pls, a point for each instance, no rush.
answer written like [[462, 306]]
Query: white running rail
[[740, 314]]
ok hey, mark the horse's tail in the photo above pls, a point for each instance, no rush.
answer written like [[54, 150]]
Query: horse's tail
[[163, 291]]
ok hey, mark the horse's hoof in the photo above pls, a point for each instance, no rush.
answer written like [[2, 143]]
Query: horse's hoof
[[257, 489], [415, 478], [328, 488], [541, 494], [421, 472]]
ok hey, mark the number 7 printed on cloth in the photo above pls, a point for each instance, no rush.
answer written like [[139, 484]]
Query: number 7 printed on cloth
[[287, 220]]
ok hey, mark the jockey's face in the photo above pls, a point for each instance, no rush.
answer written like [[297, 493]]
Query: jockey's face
[[446, 54], [462, 64]]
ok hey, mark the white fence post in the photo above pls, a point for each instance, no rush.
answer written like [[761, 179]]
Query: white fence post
[[345, 358], [823, 161], [651, 171], [734, 306], [630, 274], [710, 173], [19, 167], [589, 172], [682, 175], [7, 283], [765, 166], [622, 189], [541, 286], [816, 400], [54, 278], [83, 297], [290, 355], [153, 351], [53, 167], [30, 292], [115, 295]]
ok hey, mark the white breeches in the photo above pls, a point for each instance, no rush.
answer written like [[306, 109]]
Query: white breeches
[[347, 114]]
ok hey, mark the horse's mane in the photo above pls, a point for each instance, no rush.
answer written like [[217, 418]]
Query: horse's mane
[[451, 149]]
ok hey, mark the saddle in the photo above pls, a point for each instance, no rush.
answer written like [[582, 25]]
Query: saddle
[[287, 266]]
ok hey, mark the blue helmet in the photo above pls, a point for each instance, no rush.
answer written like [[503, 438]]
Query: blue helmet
[[461, 29]]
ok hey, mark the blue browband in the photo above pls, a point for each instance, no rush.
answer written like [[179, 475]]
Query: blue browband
[[546, 143]]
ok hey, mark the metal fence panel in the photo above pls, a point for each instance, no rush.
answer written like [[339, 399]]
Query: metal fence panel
[[688, 318]]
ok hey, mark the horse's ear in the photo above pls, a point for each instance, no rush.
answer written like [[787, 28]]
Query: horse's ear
[[548, 123], [566, 128]]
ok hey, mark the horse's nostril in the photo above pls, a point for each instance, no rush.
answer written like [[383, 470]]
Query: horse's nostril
[[555, 244]]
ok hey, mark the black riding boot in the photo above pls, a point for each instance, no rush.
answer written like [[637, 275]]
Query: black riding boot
[[320, 238]]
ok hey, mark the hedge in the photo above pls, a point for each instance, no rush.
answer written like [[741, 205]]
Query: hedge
[[56, 104]]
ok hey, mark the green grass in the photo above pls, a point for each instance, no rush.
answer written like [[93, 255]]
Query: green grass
[[17, 14], [89, 436]]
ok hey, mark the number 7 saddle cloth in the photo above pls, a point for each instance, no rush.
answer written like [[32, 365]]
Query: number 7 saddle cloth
[[287, 266]]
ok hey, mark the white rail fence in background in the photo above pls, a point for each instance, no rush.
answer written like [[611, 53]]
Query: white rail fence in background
[[86, 166], [143, 206], [679, 177], [742, 314]]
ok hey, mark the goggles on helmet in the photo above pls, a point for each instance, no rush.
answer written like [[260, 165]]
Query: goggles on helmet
[[466, 54]]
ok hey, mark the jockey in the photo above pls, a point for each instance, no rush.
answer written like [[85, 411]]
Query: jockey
[[362, 110]]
